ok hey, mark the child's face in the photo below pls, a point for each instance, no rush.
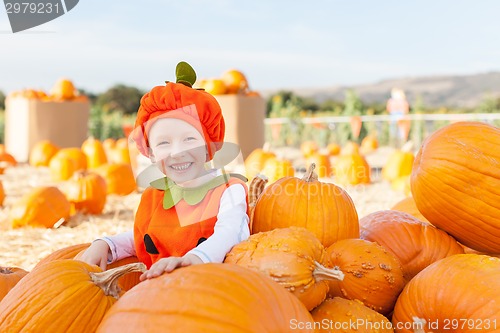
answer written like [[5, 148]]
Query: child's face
[[178, 148]]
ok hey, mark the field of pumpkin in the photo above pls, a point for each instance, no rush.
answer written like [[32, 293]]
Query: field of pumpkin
[[357, 238]]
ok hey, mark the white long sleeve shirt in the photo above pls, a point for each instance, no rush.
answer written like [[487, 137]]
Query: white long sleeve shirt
[[230, 229]]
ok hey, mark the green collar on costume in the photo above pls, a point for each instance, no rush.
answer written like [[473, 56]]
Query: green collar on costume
[[192, 195]]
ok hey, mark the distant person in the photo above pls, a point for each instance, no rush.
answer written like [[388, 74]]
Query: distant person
[[193, 215], [397, 107]]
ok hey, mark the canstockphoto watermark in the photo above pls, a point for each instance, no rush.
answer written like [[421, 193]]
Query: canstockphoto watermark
[[329, 324], [26, 14]]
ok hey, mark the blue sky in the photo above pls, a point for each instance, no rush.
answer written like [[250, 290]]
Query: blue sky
[[277, 44]]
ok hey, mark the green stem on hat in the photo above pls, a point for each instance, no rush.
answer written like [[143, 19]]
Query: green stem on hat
[[185, 74]]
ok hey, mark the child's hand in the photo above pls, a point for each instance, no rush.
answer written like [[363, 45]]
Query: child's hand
[[169, 264], [96, 254]]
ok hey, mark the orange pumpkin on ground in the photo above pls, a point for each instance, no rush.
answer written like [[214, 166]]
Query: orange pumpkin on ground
[[6, 161], [68, 252], [323, 165], [94, 151], [456, 183], [9, 277], [333, 149], [119, 178], [369, 144], [352, 169], [276, 168], [62, 167], [307, 148], [456, 294], [348, 316], [62, 296], [416, 244], [372, 274], [76, 154], [222, 298], [255, 161], [399, 164], [42, 152], [322, 208], [44, 206], [86, 191], [290, 256]]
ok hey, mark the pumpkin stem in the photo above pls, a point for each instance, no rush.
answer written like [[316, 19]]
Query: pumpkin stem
[[108, 280], [419, 324], [321, 273], [254, 191], [310, 175], [5, 270]]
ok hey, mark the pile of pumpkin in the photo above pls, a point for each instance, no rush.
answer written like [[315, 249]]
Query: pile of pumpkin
[[83, 178], [63, 90], [310, 265], [230, 82]]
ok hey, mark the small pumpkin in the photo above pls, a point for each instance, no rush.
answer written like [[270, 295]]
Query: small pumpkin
[[76, 154], [372, 274], [235, 81], [322, 208], [276, 168], [307, 148], [62, 167], [42, 152], [290, 256], [119, 178], [86, 191], [255, 161], [94, 151], [352, 169], [62, 296], [416, 244], [6, 161], [349, 316], [63, 90], [44, 206], [369, 144], [333, 149], [323, 165], [399, 164], [456, 294], [214, 86], [9, 277], [223, 298]]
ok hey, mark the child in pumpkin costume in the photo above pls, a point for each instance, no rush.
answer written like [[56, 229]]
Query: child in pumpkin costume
[[193, 215]]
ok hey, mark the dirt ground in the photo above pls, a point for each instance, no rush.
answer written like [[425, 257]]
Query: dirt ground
[[24, 247]]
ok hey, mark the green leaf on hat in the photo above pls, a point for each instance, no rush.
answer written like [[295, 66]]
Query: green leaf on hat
[[185, 74]]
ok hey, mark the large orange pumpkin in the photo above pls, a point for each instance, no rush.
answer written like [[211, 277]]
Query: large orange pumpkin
[[222, 298], [456, 183], [415, 243], [371, 273], [61, 296], [44, 206], [9, 277], [292, 257], [323, 208], [348, 316], [457, 294]]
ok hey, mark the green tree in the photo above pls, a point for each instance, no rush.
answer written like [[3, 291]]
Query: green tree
[[2, 100], [352, 107], [120, 98]]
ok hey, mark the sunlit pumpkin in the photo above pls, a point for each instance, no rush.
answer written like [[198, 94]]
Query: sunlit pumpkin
[[323, 165], [6, 161], [44, 206], [416, 244], [42, 152], [86, 191], [76, 154], [235, 81], [290, 256], [119, 178], [62, 296], [214, 86], [94, 151], [372, 274], [351, 169], [9, 277], [223, 298], [62, 167], [322, 208], [456, 183], [63, 89], [369, 144], [276, 168], [333, 149], [456, 294], [255, 161], [307, 148], [399, 164]]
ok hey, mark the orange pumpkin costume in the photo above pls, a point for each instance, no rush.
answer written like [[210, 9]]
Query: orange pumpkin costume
[[166, 226]]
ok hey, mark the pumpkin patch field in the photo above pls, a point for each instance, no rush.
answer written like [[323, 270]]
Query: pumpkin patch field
[[356, 240]]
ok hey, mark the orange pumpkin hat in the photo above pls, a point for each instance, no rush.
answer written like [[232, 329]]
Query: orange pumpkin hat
[[178, 100]]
